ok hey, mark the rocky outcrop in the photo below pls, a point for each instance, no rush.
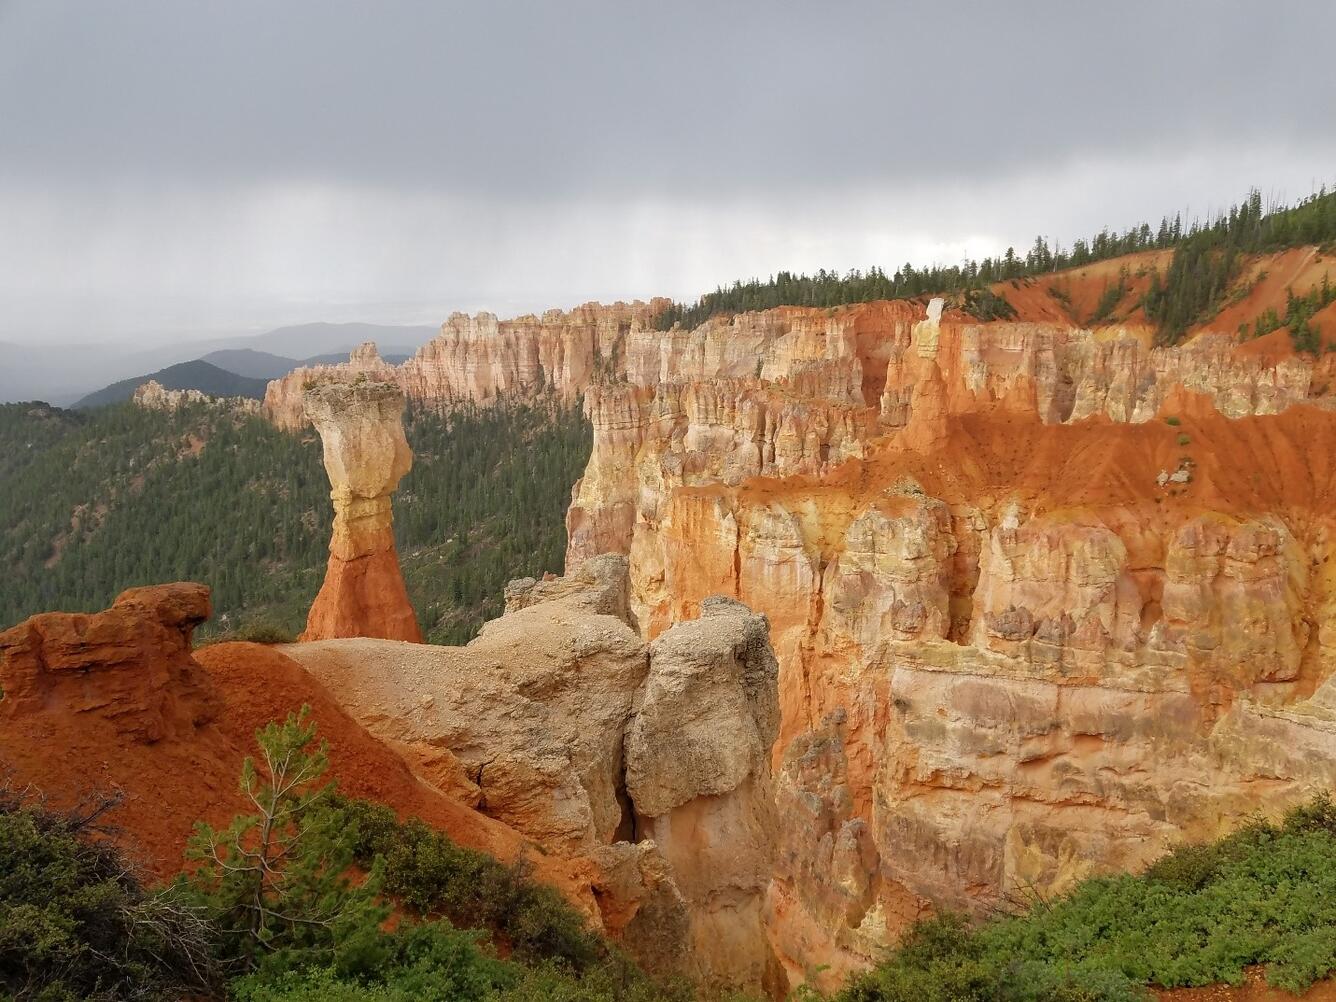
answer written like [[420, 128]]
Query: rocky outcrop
[[285, 397], [481, 359], [698, 777], [130, 664], [652, 760], [366, 455], [529, 718], [113, 709], [154, 396]]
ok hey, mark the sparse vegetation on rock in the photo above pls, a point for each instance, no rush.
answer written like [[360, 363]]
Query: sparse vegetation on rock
[[290, 903]]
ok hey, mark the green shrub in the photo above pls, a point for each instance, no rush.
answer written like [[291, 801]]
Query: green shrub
[[278, 883], [561, 957], [550, 982], [319, 932], [258, 632], [435, 877], [428, 962], [75, 922], [1110, 298], [1173, 421], [1301, 959], [1184, 440], [984, 304], [1318, 815], [1188, 867]]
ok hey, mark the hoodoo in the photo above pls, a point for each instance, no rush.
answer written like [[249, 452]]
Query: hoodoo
[[366, 455]]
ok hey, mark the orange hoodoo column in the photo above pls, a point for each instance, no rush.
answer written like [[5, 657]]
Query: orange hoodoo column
[[366, 455]]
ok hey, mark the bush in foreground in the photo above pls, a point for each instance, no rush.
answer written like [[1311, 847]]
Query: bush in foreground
[[76, 922], [1202, 914], [300, 891]]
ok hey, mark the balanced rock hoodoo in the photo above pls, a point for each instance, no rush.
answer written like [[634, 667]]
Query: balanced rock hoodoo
[[366, 455]]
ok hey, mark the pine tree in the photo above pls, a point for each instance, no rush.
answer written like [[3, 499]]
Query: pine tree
[[277, 881]]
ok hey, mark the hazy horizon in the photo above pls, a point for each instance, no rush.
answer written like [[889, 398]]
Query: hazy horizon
[[176, 171]]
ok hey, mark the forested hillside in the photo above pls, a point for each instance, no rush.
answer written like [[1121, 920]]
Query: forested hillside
[[92, 503], [1206, 261]]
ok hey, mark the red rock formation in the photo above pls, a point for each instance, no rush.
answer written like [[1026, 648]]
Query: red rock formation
[[366, 455], [130, 665], [115, 702]]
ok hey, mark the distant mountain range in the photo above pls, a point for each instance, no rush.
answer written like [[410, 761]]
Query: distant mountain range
[[308, 340], [250, 363], [62, 374]]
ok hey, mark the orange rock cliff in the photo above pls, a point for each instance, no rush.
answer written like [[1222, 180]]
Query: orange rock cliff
[[1045, 599]]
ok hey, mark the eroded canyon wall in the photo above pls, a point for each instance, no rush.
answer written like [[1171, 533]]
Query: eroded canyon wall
[[481, 359], [1045, 599]]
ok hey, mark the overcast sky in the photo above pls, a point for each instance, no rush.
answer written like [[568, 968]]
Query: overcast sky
[[195, 167]]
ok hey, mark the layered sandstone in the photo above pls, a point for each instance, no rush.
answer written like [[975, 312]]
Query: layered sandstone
[[651, 760], [366, 455], [698, 778], [1028, 629]]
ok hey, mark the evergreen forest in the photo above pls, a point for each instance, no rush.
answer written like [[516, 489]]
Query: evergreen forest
[[93, 502]]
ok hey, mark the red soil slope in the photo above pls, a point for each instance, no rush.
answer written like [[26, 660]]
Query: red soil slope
[[1255, 464], [1263, 286], [1255, 990], [1072, 296]]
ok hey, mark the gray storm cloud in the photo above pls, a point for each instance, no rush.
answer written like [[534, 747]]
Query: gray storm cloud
[[189, 166]]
